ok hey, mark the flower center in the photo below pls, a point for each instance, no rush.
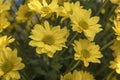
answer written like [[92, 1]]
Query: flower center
[[28, 14], [7, 66], [45, 9], [48, 39], [85, 53], [68, 79], [83, 24], [70, 12]]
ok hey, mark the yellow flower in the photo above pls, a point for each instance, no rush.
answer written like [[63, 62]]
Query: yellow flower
[[83, 22], [10, 64], [43, 7], [4, 6], [115, 1], [78, 75], [86, 51], [83, 75], [115, 64], [116, 48], [24, 14], [116, 54], [48, 39], [3, 22], [67, 9], [4, 41], [117, 28], [67, 76]]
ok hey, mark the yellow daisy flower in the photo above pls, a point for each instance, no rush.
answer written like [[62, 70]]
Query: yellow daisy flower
[[86, 51], [10, 64], [3, 22], [116, 48], [24, 13], [83, 22], [67, 9], [4, 6], [48, 39], [78, 75], [117, 28], [43, 8], [115, 1], [4, 41], [67, 76], [115, 64], [116, 54], [83, 75]]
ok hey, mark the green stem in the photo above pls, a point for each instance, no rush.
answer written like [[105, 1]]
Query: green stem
[[109, 76], [72, 38], [105, 67], [72, 66], [75, 65], [109, 36], [107, 45], [24, 76], [106, 17], [104, 4]]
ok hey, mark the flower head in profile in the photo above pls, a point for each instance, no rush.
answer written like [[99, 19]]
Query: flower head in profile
[[5, 41], [43, 7], [117, 28], [10, 64], [116, 48], [48, 39], [24, 13], [4, 6], [115, 64], [86, 51], [4, 23], [67, 9], [77, 75], [83, 22], [115, 2], [68, 76]]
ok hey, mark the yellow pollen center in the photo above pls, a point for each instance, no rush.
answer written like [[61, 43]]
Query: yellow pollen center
[[70, 12], [85, 53], [83, 24], [48, 39], [67, 79], [7, 66]]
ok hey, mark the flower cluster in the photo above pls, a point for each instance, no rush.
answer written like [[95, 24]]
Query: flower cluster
[[115, 64], [78, 75], [10, 63], [59, 39]]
